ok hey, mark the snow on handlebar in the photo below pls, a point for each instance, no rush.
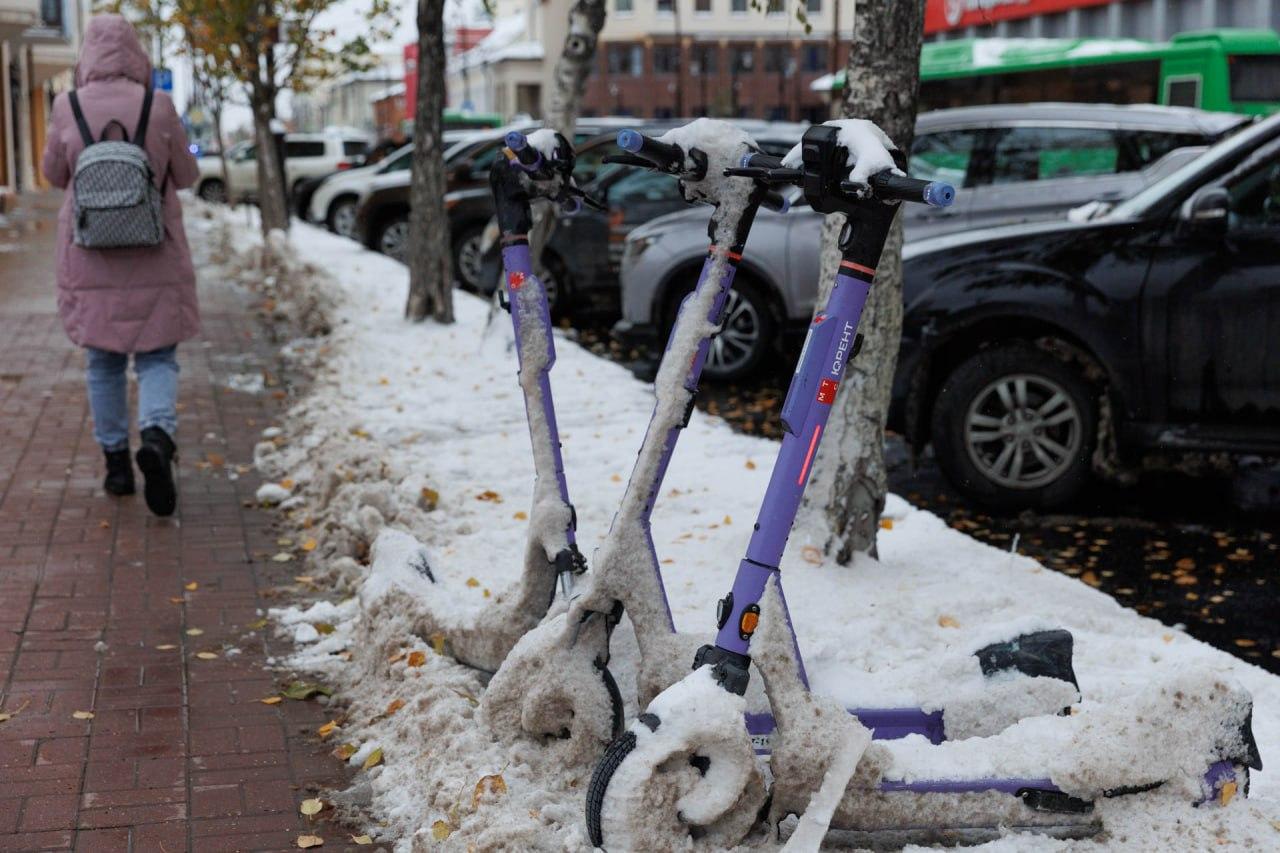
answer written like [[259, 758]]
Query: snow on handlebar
[[663, 155], [886, 185], [527, 157]]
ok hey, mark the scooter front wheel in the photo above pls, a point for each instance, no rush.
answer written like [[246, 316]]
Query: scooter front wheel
[[660, 790]]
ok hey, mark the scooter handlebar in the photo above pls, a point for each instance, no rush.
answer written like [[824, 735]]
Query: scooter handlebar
[[888, 186], [663, 155], [528, 156]]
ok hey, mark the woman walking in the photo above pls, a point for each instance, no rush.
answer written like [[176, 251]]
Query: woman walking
[[124, 295]]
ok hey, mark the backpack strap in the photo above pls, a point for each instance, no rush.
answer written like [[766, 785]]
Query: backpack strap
[[85, 133], [140, 135]]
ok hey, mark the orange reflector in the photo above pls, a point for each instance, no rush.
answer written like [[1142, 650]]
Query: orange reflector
[[1226, 793], [750, 619]]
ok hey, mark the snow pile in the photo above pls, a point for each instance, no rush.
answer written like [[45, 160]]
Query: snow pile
[[419, 429]]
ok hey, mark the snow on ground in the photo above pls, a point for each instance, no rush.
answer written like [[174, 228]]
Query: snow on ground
[[420, 427]]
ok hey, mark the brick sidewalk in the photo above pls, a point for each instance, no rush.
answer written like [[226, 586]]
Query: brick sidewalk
[[179, 754]]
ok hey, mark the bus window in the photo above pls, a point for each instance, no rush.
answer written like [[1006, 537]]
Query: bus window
[[1140, 148], [1182, 91], [1255, 78], [1044, 153], [944, 156]]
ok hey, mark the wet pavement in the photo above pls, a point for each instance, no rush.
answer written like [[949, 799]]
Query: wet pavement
[[1180, 549]]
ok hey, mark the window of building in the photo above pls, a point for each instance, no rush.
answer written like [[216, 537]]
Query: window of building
[[742, 59], [738, 6], [666, 58], [707, 57], [667, 6], [623, 6], [775, 58], [702, 6], [775, 7], [777, 112], [812, 6], [626, 59], [813, 57]]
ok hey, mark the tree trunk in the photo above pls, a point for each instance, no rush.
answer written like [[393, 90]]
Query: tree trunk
[[586, 20], [430, 275], [272, 203], [216, 110], [849, 480]]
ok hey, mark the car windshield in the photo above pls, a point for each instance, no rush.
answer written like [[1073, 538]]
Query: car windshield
[[1217, 159]]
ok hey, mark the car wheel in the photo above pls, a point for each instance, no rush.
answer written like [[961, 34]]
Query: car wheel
[[342, 217], [557, 286], [393, 238], [1014, 427], [748, 332], [213, 191], [468, 257]]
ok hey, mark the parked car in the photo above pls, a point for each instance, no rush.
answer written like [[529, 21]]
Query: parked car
[[382, 219], [1012, 163], [335, 199], [1033, 353], [307, 155]]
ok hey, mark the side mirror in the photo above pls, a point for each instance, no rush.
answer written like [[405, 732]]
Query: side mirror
[[1205, 213]]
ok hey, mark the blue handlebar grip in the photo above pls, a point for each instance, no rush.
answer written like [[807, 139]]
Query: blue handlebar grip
[[939, 194], [630, 140], [516, 140]]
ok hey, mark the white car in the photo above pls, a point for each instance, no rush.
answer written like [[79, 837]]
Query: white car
[[307, 155], [334, 202]]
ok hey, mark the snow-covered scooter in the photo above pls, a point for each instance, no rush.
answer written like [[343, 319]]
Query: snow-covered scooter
[[686, 770], [555, 684]]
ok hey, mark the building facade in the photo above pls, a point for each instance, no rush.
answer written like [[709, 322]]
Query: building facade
[[38, 44]]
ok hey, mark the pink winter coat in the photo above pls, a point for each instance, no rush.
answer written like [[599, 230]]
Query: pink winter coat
[[123, 300]]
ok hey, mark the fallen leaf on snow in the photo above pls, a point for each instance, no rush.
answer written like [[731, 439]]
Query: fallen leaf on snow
[[327, 729], [493, 784], [417, 658], [428, 499], [437, 643], [311, 807], [397, 657], [473, 583], [345, 751], [323, 628], [489, 495], [811, 554], [520, 515], [945, 621], [374, 759], [886, 523], [441, 830], [309, 545], [751, 466]]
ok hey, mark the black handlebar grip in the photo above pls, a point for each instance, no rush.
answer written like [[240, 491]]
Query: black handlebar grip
[[756, 160], [888, 186], [775, 200], [661, 154]]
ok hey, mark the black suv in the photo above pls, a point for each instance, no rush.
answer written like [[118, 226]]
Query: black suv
[[1034, 353]]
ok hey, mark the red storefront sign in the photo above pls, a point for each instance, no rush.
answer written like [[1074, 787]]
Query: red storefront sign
[[940, 15], [411, 79]]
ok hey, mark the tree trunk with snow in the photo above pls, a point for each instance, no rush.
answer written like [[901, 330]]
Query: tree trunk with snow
[[849, 480], [586, 20], [272, 204], [430, 272]]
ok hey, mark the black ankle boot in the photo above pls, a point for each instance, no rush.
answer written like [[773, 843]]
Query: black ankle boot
[[155, 459], [119, 479]]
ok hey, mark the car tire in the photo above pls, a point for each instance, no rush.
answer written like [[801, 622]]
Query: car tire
[[1014, 428], [558, 286], [341, 218], [747, 337], [467, 260], [392, 237], [213, 191]]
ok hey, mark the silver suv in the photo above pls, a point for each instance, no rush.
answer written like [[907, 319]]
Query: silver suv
[[1011, 163]]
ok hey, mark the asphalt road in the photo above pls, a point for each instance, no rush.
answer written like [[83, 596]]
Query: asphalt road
[[1180, 549]]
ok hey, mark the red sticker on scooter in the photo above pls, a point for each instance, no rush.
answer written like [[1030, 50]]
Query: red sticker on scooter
[[515, 279], [827, 391]]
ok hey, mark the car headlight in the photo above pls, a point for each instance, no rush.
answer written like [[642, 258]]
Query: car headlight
[[636, 245]]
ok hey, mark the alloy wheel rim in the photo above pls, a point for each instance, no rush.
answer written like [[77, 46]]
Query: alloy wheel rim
[[393, 240], [738, 337], [470, 260], [344, 219], [1023, 431]]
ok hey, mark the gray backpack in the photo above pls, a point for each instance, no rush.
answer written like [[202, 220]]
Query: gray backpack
[[114, 195]]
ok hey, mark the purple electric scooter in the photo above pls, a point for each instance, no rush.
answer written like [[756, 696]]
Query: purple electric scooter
[[973, 809]]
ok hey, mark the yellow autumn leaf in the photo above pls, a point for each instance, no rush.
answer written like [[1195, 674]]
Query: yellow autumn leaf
[[437, 643], [441, 830], [166, 647], [617, 478], [272, 700], [311, 807], [374, 759], [304, 578], [82, 715], [361, 839], [428, 498], [177, 599], [473, 583], [191, 587], [257, 624], [886, 524], [282, 557], [4, 718], [345, 751], [396, 705], [520, 515], [811, 554], [493, 784], [194, 632], [397, 657], [751, 466], [382, 380], [417, 658], [207, 655], [305, 841], [945, 621], [286, 484], [323, 628], [327, 729], [489, 495], [309, 545]]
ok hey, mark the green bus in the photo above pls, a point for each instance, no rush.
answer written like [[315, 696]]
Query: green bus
[[1232, 70], [466, 120]]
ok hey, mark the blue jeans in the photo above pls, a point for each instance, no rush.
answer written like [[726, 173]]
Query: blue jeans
[[109, 393]]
